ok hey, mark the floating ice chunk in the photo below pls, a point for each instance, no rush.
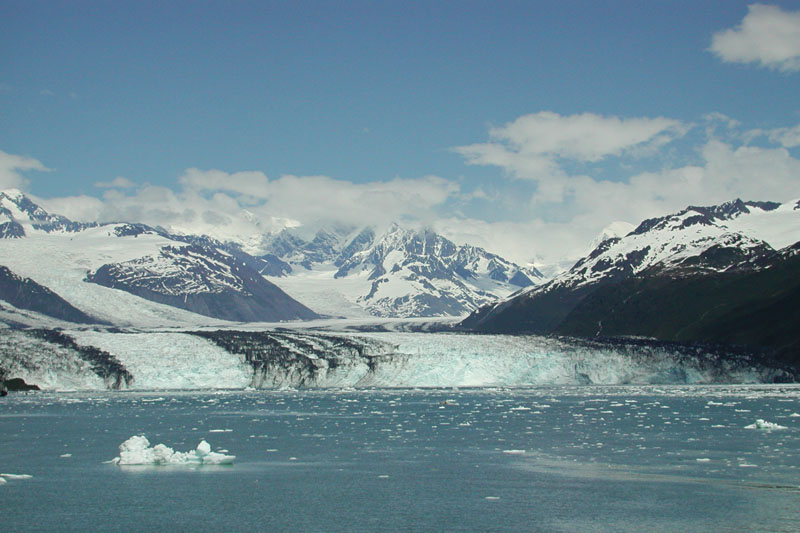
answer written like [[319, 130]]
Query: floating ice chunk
[[203, 449], [15, 476], [137, 451], [763, 424]]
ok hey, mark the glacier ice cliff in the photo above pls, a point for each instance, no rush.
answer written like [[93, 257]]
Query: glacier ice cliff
[[234, 359]]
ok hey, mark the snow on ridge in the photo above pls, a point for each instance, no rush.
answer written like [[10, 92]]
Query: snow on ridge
[[676, 240], [402, 272]]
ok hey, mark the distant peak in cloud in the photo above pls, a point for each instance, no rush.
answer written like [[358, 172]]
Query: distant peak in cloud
[[767, 35]]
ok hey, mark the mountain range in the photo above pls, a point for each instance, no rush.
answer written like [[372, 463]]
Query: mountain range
[[718, 274], [134, 274], [398, 273], [128, 274]]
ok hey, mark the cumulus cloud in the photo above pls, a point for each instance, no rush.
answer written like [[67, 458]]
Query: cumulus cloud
[[535, 146], [768, 36], [567, 211], [786, 137], [249, 183], [11, 169], [538, 146], [542, 213], [247, 205], [119, 182], [725, 172]]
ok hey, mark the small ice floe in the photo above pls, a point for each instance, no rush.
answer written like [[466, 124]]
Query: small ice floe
[[763, 424], [5, 477], [514, 452], [137, 451]]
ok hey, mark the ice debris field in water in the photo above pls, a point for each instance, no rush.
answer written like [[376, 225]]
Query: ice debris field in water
[[137, 451], [565, 458]]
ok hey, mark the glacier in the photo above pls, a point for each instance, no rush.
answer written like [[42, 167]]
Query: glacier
[[295, 358]]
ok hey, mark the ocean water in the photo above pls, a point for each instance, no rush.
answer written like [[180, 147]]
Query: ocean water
[[537, 459]]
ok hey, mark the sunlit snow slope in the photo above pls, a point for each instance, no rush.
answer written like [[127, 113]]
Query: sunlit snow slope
[[133, 275], [399, 273]]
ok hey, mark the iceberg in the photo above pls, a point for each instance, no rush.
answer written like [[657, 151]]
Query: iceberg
[[137, 451], [4, 477], [763, 424]]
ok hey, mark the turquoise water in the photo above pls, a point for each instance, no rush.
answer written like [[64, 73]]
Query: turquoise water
[[543, 459]]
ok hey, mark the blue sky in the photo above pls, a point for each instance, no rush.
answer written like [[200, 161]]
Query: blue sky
[[406, 96]]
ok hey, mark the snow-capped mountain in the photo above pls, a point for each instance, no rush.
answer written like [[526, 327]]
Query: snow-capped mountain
[[134, 274], [400, 273], [713, 238], [686, 276], [19, 216]]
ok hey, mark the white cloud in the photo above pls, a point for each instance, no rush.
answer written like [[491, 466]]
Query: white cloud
[[535, 146], [725, 172], [250, 183], [119, 182], [546, 214], [568, 211], [78, 208], [786, 137], [11, 168], [767, 35], [247, 205]]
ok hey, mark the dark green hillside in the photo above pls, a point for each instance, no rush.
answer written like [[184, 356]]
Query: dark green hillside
[[758, 309]]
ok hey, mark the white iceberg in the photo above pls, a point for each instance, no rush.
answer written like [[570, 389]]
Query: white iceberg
[[137, 451], [4, 477], [763, 424]]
